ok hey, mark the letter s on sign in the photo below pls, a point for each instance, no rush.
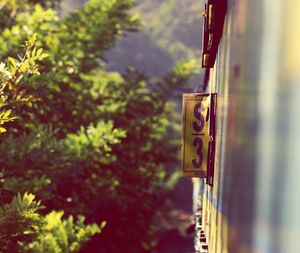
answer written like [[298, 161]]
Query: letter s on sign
[[198, 115]]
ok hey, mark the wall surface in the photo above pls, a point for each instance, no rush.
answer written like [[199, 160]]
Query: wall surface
[[254, 205]]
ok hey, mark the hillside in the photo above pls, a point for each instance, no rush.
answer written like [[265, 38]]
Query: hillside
[[171, 32], [176, 25]]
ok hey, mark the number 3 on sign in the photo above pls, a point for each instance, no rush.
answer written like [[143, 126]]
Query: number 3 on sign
[[195, 134], [199, 144]]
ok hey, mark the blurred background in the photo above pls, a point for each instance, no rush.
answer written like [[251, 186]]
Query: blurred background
[[171, 32]]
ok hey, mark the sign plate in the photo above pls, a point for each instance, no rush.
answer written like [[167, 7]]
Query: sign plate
[[198, 133]]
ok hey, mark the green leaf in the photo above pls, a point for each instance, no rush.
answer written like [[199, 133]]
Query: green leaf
[[12, 63]]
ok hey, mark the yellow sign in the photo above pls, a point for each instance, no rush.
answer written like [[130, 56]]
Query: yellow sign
[[197, 136]]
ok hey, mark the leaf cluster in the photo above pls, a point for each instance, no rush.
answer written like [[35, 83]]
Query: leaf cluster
[[59, 235], [14, 75], [18, 221]]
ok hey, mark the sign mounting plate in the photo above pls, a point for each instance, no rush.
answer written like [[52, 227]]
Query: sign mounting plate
[[198, 134]]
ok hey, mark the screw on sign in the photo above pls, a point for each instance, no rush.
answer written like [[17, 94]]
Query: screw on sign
[[196, 135]]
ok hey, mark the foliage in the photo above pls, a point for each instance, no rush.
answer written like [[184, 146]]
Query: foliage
[[58, 235], [18, 221], [95, 142], [19, 218], [13, 76]]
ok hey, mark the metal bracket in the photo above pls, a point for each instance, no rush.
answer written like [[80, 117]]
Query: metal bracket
[[214, 16], [212, 143]]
